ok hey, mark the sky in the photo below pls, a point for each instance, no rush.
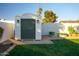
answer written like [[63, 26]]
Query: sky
[[64, 11]]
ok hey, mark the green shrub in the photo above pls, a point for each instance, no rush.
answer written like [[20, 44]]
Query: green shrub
[[71, 30], [1, 32]]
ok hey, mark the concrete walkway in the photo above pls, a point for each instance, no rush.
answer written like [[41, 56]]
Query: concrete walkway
[[31, 42], [8, 50], [17, 42], [4, 47], [45, 40], [38, 42], [47, 37]]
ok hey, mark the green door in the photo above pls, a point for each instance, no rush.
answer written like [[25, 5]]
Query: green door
[[27, 29]]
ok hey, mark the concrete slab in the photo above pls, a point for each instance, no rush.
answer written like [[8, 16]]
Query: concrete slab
[[38, 42]]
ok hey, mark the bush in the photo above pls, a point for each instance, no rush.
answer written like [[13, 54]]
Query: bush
[[1, 32], [71, 30]]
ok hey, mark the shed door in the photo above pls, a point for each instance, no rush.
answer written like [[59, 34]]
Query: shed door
[[27, 29]]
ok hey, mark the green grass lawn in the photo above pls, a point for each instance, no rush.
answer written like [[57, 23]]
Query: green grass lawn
[[1, 32], [63, 47]]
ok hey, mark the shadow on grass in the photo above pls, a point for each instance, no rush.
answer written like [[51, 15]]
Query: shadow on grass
[[62, 47]]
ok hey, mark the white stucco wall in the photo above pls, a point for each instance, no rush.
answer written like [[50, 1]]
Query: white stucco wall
[[66, 25], [38, 29], [8, 30], [50, 27], [17, 28]]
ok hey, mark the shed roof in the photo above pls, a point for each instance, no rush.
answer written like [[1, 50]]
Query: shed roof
[[27, 15], [70, 21]]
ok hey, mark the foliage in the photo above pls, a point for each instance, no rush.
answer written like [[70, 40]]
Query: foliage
[[1, 32], [71, 30], [39, 11], [49, 17]]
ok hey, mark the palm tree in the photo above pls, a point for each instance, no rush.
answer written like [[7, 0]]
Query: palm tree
[[39, 11]]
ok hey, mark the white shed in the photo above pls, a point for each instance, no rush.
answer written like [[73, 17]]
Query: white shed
[[27, 27]]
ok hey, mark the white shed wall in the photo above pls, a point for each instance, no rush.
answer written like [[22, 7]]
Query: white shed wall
[[17, 28], [50, 27]]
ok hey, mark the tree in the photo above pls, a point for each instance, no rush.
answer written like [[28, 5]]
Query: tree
[[39, 11], [49, 17]]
